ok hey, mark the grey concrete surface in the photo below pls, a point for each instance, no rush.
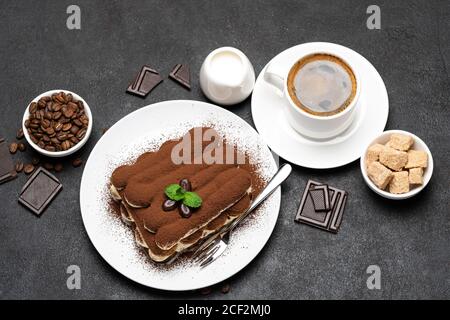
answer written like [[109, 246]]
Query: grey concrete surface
[[409, 240]]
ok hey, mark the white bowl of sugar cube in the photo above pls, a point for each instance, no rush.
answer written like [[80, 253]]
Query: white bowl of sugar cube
[[397, 165]]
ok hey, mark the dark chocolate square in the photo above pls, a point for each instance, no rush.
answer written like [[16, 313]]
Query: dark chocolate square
[[7, 171], [39, 190], [181, 74], [320, 197], [145, 81], [327, 220]]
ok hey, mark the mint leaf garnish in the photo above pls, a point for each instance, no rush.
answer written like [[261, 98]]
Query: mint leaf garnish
[[174, 192], [192, 199]]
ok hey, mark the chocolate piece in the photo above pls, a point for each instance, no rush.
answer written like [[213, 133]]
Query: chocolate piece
[[320, 197], [7, 170], [180, 73], [146, 80], [40, 189], [327, 220]]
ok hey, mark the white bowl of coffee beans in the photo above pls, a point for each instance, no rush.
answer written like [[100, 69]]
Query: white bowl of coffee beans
[[57, 123]]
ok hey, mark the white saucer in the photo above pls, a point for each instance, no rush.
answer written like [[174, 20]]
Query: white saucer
[[369, 122]]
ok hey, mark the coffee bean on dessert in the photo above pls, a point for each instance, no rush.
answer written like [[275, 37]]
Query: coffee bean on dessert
[[77, 162], [19, 134], [186, 184], [29, 168], [22, 147], [19, 166], [13, 147], [169, 205], [58, 167], [185, 211], [49, 166]]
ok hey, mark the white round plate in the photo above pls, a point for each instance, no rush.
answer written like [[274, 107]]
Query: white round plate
[[146, 129], [369, 121]]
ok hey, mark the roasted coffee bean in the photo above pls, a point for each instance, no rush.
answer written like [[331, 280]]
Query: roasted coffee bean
[[49, 166], [19, 134], [67, 112], [65, 145], [35, 161], [69, 97], [46, 98], [46, 138], [35, 141], [77, 123], [29, 168], [55, 141], [77, 162], [56, 107], [225, 289], [58, 126], [41, 144], [50, 131], [33, 107], [50, 148], [80, 134], [57, 115], [67, 126], [59, 167], [74, 129], [74, 140], [27, 123], [80, 105], [22, 147], [186, 184], [72, 105], [45, 124], [13, 147], [61, 136], [38, 135], [19, 166], [169, 205], [205, 291], [60, 98], [41, 103], [185, 211]]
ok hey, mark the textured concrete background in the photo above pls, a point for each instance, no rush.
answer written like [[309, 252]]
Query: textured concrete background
[[409, 240]]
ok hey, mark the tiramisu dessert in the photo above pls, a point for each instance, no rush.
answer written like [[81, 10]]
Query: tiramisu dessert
[[173, 206]]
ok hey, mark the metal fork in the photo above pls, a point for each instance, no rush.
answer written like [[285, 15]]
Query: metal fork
[[217, 243]]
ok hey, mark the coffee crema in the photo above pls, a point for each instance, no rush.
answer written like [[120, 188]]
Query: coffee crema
[[321, 84]]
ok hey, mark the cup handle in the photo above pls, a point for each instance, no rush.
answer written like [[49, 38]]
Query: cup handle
[[273, 76]]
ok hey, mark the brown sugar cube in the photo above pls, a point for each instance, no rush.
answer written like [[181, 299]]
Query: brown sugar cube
[[399, 182], [400, 142], [393, 159], [379, 174], [417, 159], [416, 176], [373, 153]]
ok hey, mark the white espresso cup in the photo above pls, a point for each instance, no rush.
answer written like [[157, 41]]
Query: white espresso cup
[[308, 124]]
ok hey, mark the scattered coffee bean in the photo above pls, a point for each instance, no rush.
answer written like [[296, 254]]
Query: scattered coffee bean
[[169, 205], [13, 147], [186, 184], [57, 122], [77, 162], [225, 289], [58, 167], [19, 134], [205, 291], [35, 161], [22, 147], [185, 211], [29, 168], [19, 166], [49, 166]]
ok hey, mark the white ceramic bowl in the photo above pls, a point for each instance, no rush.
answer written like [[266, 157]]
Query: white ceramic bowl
[[58, 154], [418, 145]]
